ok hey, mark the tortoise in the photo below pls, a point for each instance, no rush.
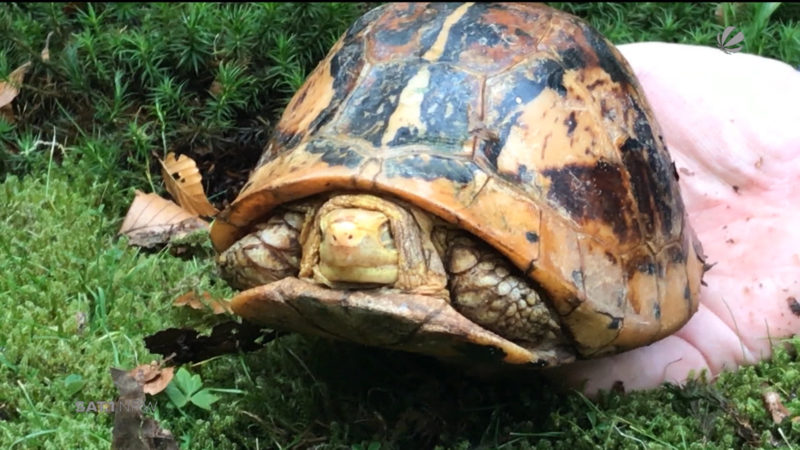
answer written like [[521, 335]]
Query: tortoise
[[483, 183]]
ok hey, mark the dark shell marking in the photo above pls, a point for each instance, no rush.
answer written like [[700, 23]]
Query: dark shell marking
[[518, 122]]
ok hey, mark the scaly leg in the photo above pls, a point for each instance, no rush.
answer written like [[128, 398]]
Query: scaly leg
[[488, 290], [270, 253]]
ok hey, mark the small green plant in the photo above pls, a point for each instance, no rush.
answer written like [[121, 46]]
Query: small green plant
[[188, 388]]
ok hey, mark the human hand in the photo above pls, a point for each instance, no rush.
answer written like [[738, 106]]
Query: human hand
[[732, 125]]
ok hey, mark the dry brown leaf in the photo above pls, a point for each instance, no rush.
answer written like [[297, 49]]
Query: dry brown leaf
[[145, 372], [152, 377], [153, 220], [191, 300], [184, 182], [10, 89], [133, 430], [184, 345], [772, 401]]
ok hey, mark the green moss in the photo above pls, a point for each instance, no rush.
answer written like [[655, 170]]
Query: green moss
[[76, 301], [191, 77]]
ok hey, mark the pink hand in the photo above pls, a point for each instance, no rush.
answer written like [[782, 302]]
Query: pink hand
[[732, 124]]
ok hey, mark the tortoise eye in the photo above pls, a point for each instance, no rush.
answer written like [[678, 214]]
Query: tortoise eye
[[386, 236]]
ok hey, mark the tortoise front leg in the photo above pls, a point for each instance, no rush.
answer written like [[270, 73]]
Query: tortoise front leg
[[487, 289], [270, 253]]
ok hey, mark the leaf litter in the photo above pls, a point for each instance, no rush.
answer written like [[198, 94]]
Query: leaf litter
[[133, 430], [150, 221], [192, 300], [186, 345], [10, 89], [153, 220], [152, 376], [775, 407], [185, 184]]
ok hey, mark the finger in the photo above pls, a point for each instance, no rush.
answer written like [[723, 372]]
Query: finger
[[733, 115], [712, 128], [670, 359]]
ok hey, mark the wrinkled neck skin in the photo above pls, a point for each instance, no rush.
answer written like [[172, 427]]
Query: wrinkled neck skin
[[361, 240]]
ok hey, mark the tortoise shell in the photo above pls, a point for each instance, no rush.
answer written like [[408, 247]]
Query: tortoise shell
[[517, 122]]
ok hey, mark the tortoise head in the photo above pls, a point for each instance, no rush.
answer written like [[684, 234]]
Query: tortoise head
[[357, 247]]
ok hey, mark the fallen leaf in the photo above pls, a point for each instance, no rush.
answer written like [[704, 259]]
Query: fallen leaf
[[184, 182], [772, 401], [132, 430], [10, 89], [152, 220], [186, 345], [152, 376], [190, 299]]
